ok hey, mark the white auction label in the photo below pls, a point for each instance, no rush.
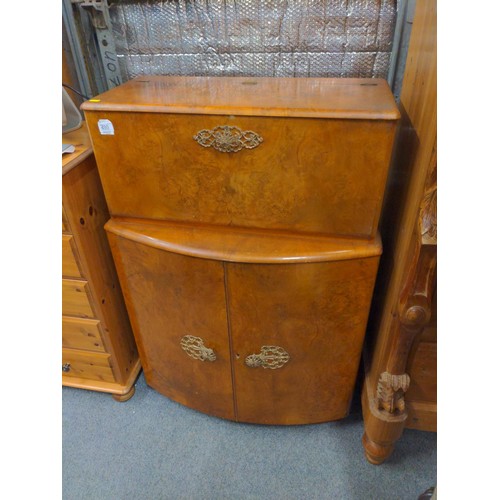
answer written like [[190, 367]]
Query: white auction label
[[106, 127]]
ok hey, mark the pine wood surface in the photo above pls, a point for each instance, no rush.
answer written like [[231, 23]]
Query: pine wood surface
[[83, 148], [70, 267], [88, 365], [87, 213], [79, 333], [75, 298], [353, 98], [113, 388], [94, 315]]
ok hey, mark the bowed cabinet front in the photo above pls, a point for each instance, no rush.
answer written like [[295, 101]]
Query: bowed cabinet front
[[261, 341]]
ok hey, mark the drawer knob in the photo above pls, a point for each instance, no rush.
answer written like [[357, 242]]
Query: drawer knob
[[195, 348], [228, 139], [270, 356], [66, 367]]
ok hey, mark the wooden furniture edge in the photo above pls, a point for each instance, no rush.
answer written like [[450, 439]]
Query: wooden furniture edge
[[422, 416], [254, 112], [240, 244], [83, 148], [247, 105], [108, 387]]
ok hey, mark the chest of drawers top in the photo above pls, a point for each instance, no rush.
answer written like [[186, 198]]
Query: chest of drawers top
[[293, 154]]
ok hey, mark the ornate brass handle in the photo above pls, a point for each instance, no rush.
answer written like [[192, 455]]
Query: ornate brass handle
[[227, 139], [270, 356], [195, 348]]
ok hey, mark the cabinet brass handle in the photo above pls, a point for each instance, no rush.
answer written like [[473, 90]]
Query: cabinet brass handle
[[195, 348], [228, 139], [270, 356], [66, 367]]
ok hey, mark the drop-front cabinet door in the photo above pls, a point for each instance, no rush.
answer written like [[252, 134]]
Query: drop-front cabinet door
[[297, 332], [178, 313]]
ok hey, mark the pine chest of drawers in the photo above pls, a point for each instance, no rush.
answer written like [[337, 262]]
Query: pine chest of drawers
[[98, 348], [244, 216]]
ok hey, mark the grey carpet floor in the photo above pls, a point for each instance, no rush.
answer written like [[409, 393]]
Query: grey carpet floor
[[153, 449]]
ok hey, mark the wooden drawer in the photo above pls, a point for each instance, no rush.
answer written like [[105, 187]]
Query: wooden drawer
[[78, 333], [86, 365], [75, 299], [70, 266], [323, 176]]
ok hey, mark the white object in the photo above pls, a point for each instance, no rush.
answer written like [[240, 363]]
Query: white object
[[68, 148], [71, 117], [106, 127]]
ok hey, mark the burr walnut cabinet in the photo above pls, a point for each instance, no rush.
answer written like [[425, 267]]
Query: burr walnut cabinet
[[98, 348], [244, 216]]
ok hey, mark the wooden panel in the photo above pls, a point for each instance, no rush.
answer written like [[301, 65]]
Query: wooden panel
[[170, 296], [78, 333], [317, 313], [324, 176], [422, 416], [75, 299], [300, 97], [422, 368], [65, 224], [93, 366], [69, 264]]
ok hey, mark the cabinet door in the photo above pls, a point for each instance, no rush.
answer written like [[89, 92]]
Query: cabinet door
[[178, 313], [315, 314]]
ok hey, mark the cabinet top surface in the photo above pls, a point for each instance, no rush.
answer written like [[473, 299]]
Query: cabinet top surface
[[350, 98]]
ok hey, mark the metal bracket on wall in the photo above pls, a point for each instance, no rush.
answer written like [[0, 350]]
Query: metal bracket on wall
[[400, 42], [99, 12], [76, 49]]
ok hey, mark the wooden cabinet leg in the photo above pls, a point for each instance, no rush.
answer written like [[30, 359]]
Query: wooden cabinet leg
[[382, 429], [376, 453], [124, 397]]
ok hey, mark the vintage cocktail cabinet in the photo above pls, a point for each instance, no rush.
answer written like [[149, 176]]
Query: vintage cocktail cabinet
[[244, 216]]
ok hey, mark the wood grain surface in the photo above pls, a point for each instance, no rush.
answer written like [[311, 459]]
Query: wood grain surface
[[357, 98], [241, 245], [87, 212], [409, 230], [79, 333], [88, 365], [76, 299], [316, 311], [169, 296], [321, 176]]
